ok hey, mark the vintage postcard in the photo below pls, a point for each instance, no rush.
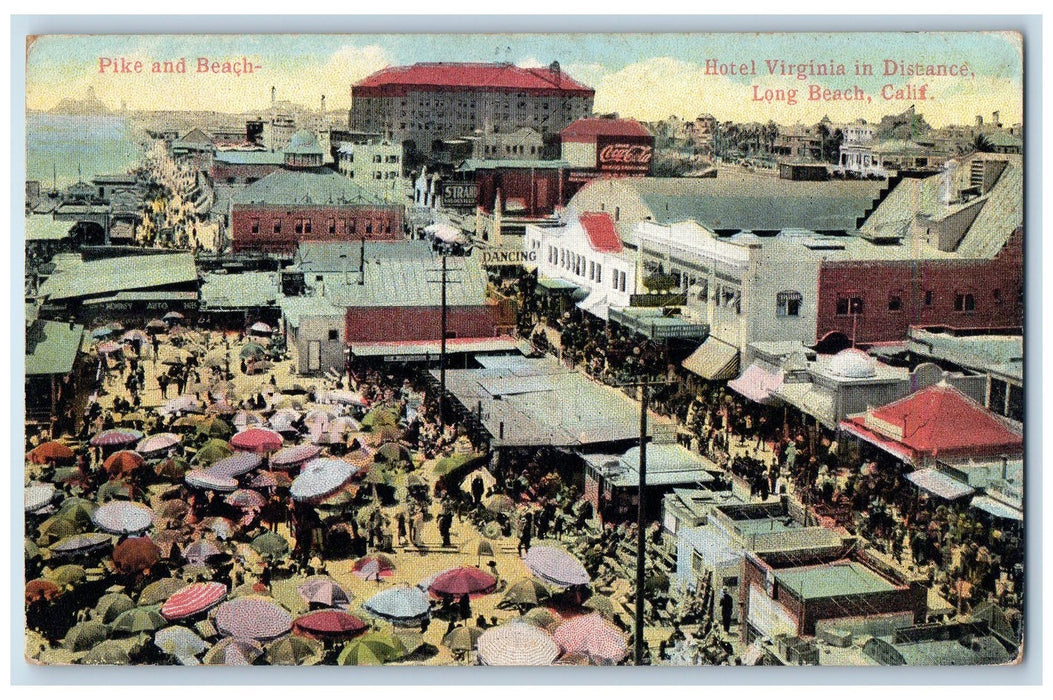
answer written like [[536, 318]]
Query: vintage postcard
[[525, 349]]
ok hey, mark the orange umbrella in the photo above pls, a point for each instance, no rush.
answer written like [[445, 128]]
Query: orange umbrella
[[41, 589], [123, 463], [135, 555], [49, 452]]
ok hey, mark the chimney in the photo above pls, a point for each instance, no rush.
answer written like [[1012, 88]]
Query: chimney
[[274, 95], [994, 118], [979, 121], [323, 105]]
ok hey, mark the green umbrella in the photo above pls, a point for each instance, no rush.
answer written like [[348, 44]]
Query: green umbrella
[[271, 545], [111, 605], [213, 451], [77, 511], [372, 649], [542, 617], [452, 463], [526, 592], [601, 604], [161, 590], [215, 428], [379, 417], [462, 638], [114, 490], [57, 528], [110, 652], [492, 530], [499, 503], [136, 620], [294, 651], [66, 575], [172, 468], [85, 635], [32, 551], [392, 452], [252, 349]]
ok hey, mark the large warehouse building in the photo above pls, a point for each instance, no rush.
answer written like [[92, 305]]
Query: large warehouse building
[[427, 102]]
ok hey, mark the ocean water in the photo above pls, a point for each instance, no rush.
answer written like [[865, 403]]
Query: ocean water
[[99, 145]]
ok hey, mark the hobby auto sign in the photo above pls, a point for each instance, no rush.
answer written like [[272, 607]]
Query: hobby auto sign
[[624, 157]]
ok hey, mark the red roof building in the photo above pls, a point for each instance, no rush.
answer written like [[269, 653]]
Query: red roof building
[[599, 228], [936, 422], [589, 129], [608, 147], [429, 102]]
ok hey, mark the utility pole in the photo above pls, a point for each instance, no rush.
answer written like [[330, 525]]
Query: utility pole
[[638, 627], [442, 348]]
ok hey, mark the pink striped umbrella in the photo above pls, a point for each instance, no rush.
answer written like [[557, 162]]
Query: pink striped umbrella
[[237, 464], [245, 499], [253, 618], [592, 636], [115, 437], [210, 482], [158, 443], [260, 440], [193, 599], [296, 455], [463, 579]]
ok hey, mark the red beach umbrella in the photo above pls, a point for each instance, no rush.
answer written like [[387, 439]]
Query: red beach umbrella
[[116, 437], [41, 589], [374, 566], [261, 619], [594, 637], [193, 599], [135, 555], [328, 623], [259, 440], [464, 579], [49, 452], [123, 463]]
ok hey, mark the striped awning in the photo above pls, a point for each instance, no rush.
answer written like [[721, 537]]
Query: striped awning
[[943, 485], [758, 383], [713, 360]]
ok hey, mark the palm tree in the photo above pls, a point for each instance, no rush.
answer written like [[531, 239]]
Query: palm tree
[[982, 144]]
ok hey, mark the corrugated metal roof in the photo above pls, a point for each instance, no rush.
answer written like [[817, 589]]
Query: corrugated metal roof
[[318, 186], [836, 579], [241, 290], [249, 158], [45, 228], [89, 278], [1001, 215], [51, 348]]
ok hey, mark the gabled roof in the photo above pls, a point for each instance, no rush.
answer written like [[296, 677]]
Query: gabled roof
[[124, 273], [308, 186], [51, 348], [591, 127], [195, 137], [473, 75], [938, 421], [599, 229]]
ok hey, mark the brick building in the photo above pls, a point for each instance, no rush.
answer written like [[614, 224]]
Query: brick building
[[425, 103], [607, 147]]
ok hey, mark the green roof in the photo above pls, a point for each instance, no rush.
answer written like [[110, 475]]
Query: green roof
[[308, 186], [249, 158], [490, 164], [51, 347], [89, 278], [240, 290], [45, 228], [838, 579]]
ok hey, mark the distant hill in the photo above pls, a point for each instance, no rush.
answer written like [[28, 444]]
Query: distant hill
[[90, 105]]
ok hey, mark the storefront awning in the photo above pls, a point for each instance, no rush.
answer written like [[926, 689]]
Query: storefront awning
[[997, 508], [596, 304], [817, 403], [553, 284], [713, 360], [943, 485], [758, 383], [429, 349]]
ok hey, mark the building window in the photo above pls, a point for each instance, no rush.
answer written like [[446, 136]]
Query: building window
[[849, 306], [617, 213], [599, 272], [895, 302], [788, 303], [369, 226], [277, 225], [350, 225], [928, 297], [331, 225], [334, 334], [996, 295], [964, 302], [255, 225]]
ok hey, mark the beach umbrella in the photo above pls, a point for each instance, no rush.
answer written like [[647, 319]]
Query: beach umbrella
[[155, 444], [212, 451], [499, 503], [271, 545], [41, 589], [293, 456], [556, 566], [294, 651], [379, 416], [156, 324], [192, 420], [545, 618], [261, 619], [252, 350], [601, 604], [372, 649], [135, 555], [193, 600], [392, 452], [482, 473], [56, 528], [374, 567], [37, 496], [123, 463], [237, 464], [524, 593], [261, 327], [320, 478], [463, 579], [328, 624], [222, 527], [108, 653], [214, 427], [594, 637], [111, 605], [255, 439], [172, 468], [200, 552], [268, 480], [462, 638], [85, 635], [320, 415], [282, 420], [66, 575], [210, 482], [405, 605], [160, 590], [116, 437], [102, 332], [108, 347], [452, 463], [134, 334], [234, 652], [116, 489], [221, 407], [181, 404], [181, 643], [516, 644], [123, 518], [80, 544], [138, 620], [173, 316], [246, 419], [246, 499], [323, 591], [50, 451]]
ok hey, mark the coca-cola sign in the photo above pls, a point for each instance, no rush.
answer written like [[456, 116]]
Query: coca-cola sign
[[624, 157]]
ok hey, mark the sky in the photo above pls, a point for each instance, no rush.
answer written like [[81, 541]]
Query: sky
[[645, 76]]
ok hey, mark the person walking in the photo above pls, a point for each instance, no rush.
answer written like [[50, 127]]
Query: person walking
[[726, 605], [445, 523], [526, 534]]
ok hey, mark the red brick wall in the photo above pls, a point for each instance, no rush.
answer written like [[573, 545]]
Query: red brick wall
[[386, 225], [539, 191], [398, 323], [995, 284]]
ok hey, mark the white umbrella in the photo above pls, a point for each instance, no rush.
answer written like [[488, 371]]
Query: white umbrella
[[123, 518], [399, 605], [517, 644], [38, 495], [210, 482], [261, 327], [556, 566], [157, 443], [320, 478]]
